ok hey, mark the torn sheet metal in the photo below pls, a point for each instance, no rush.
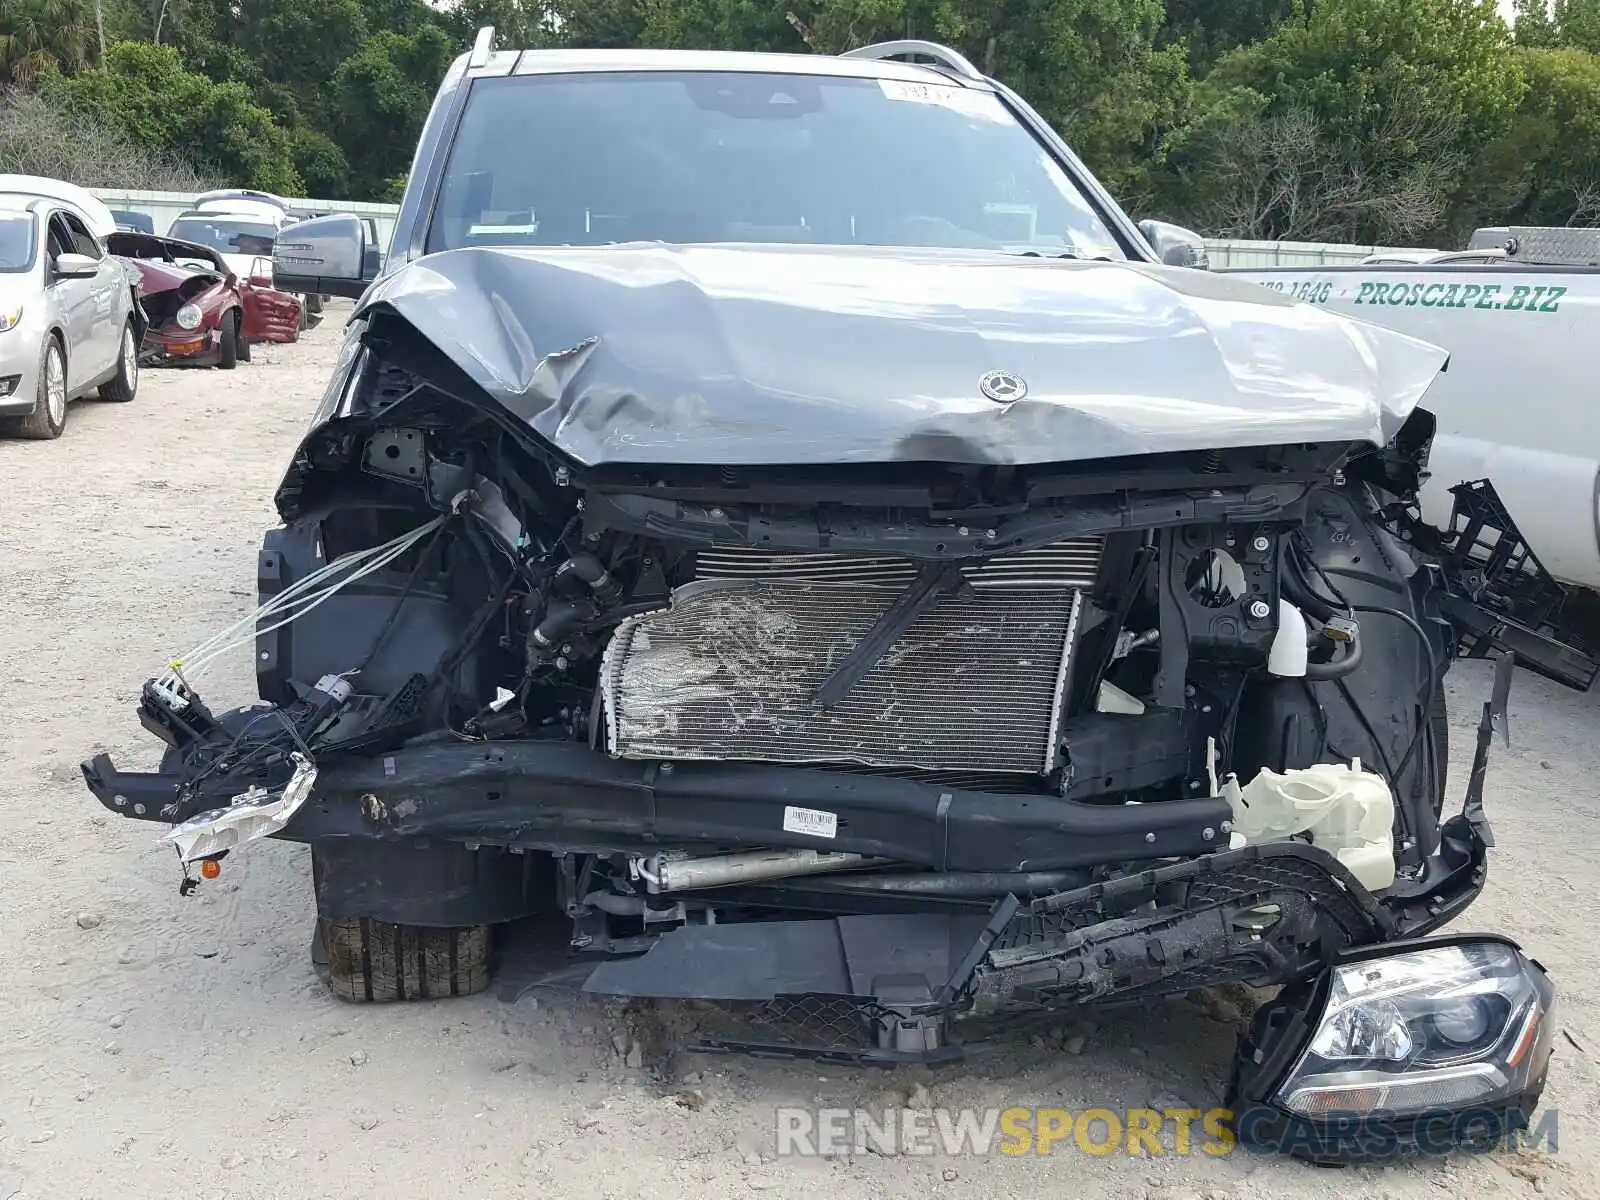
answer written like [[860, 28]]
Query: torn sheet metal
[[257, 813], [748, 355]]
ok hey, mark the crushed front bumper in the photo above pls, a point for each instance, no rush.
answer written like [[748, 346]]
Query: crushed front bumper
[[1262, 914], [1196, 915], [201, 348], [563, 796]]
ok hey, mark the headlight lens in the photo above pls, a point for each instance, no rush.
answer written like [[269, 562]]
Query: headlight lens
[[9, 317], [1445, 1026], [189, 317]]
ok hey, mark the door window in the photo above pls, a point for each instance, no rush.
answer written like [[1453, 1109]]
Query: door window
[[60, 238], [83, 242]]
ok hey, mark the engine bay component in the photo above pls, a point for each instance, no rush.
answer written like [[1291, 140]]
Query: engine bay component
[[668, 874], [257, 813], [1071, 564], [729, 672], [1344, 810]]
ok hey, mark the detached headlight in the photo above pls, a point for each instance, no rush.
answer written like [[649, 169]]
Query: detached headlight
[[9, 317], [189, 317], [1443, 1027], [1422, 1046]]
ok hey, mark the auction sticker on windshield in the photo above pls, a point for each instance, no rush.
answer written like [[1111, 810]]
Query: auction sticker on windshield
[[967, 100]]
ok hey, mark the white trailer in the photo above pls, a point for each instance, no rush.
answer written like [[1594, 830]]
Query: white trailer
[[1519, 404]]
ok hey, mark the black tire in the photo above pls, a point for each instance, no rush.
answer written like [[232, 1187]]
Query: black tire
[[230, 342], [124, 385], [376, 962], [44, 424], [244, 345]]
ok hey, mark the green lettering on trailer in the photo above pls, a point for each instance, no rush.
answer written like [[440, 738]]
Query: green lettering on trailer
[[1366, 290], [1519, 296], [1487, 300], [1552, 302], [1469, 294]]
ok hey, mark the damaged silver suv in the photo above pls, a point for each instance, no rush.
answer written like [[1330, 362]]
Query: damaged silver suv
[[779, 515]]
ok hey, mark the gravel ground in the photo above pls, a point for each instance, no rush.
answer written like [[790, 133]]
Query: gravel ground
[[155, 1045]]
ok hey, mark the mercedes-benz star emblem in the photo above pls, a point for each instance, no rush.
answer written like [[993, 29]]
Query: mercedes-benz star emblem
[[1003, 387]]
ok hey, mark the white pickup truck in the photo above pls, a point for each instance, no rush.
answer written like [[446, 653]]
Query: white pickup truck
[[1519, 404]]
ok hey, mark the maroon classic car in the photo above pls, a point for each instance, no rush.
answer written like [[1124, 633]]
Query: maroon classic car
[[201, 313]]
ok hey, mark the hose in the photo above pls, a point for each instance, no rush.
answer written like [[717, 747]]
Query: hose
[[1337, 668]]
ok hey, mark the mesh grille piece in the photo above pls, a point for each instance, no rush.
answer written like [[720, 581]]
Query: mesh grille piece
[[729, 672], [1069, 564]]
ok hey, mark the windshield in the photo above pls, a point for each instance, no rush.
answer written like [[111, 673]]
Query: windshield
[[592, 158], [227, 235], [16, 241]]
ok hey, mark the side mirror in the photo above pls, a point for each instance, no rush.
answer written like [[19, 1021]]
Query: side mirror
[[75, 266], [1174, 245], [323, 256]]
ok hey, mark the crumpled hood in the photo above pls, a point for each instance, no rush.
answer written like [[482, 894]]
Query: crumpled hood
[[156, 277], [752, 355]]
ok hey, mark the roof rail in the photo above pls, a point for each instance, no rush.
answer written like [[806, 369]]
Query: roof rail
[[942, 56], [482, 47]]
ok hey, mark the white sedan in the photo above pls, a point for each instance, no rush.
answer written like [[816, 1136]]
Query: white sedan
[[70, 322]]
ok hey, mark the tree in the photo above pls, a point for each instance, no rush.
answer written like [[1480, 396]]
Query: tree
[[144, 90], [1566, 24], [39, 136], [320, 163], [1210, 29], [39, 34], [1279, 174], [1545, 168], [377, 99], [1395, 97]]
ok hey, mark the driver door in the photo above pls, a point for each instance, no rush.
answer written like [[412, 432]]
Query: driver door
[[105, 333], [74, 300]]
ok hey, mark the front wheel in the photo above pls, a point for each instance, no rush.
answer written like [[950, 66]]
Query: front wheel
[[230, 342], [376, 961], [124, 385], [49, 415]]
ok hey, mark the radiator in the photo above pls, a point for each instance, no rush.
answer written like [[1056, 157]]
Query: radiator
[[728, 672]]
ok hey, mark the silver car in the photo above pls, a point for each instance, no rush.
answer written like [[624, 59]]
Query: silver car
[[70, 321]]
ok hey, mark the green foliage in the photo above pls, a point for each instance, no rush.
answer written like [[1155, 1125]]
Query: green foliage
[[40, 35], [144, 90], [1356, 119], [1368, 120], [378, 97], [1545, 168], [320, 163], [1559, 24]]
